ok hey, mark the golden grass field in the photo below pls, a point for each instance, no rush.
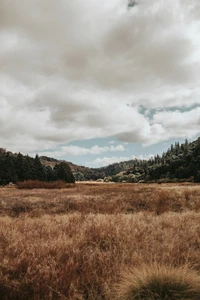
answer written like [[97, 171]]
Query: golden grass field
[[77, 243]]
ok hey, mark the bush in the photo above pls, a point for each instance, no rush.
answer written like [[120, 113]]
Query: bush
[[156, 282], [36, 184]]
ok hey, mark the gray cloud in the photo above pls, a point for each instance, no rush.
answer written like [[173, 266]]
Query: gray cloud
[[68, 69]]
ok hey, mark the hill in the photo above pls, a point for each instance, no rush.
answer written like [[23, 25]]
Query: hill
[[180, 162], [15, 167], [80, 173]]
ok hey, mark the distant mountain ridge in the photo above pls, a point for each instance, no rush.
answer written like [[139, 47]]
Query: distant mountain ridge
[[180, 162]]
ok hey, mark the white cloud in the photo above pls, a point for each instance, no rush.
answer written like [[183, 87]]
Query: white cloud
[[68, 69], [105, 161], [72, 150], [176, 123]]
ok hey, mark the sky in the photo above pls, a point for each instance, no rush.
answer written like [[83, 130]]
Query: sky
[[94, 82]]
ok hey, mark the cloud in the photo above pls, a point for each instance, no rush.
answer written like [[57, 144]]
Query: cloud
[[178, 124], [68, 69], [105, 161], [79, 151]]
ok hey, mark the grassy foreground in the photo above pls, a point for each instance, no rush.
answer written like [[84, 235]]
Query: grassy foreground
[[76, 243]]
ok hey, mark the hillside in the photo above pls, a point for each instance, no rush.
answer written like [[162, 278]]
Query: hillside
[[80, 173], [180, 162], [15, 167]]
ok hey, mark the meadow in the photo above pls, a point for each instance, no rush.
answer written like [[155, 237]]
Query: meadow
[[87, 240]]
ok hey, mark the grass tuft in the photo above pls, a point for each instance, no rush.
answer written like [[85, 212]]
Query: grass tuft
[[155, 282]]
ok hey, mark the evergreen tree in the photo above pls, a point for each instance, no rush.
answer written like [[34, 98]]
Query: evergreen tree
[[8, 169], [50, 174], [22, 168], [63, 172], [186, 147], [39, 169]]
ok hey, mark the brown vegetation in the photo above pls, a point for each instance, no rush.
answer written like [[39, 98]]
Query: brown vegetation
[[74, 243], [98, 198], [36, 184], [155, 282]]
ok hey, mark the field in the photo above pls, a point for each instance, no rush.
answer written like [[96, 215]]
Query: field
[[77, 242]]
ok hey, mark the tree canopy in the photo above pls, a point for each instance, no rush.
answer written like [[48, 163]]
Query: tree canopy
[[17, 167]]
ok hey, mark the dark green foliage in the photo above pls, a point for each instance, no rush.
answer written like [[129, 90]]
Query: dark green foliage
[[7, 168], [23, 167], [79, 176], [18, 168], [50, 174], [63, 172], [39, 169], [179, 162]]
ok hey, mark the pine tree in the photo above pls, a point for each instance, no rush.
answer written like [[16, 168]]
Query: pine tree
[[50, 174], [186, 147], [63, 172], [8, 169], [22, 168], [39, 169]]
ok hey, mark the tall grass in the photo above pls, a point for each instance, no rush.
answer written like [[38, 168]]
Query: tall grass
[[81, 256], [36, 184], [159, 282], [74, 244], [99, 198]]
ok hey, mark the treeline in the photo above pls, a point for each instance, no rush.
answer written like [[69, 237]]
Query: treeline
[[17, 168], [181, 162]]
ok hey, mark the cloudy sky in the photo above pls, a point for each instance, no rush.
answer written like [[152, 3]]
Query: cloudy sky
[[93, 82]]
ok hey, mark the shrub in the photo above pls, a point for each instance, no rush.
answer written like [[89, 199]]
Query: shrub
[[156, 282], [36, 184]]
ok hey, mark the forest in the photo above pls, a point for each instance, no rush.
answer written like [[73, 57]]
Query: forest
[[180, 163], [17, 168]]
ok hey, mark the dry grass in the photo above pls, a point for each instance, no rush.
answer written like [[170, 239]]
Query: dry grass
[[74, 243], [36, 184], [100, 198], [155, 282]]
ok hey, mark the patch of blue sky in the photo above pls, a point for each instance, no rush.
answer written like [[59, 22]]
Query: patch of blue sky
[[101, 142], [130, 151], [151, 112]]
